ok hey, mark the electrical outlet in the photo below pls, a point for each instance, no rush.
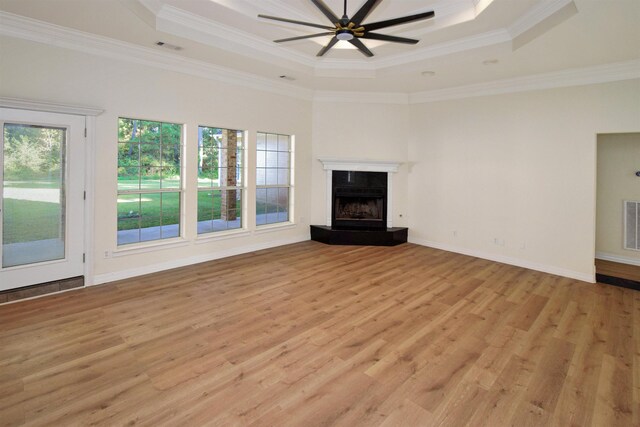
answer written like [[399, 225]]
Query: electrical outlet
[[107, 254], [455, 233]]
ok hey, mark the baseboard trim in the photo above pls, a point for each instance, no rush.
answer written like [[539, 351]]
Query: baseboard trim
[[617, 258], [183, 262], [617, 281], [590, 278]]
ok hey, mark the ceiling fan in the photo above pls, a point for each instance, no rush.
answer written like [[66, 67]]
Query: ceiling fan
[[352, 29]]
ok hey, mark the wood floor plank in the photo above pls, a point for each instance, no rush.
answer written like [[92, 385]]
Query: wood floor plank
[[541, 397], [614, 403], [408, 414], [311, 334], [528, 312], [501, 402]]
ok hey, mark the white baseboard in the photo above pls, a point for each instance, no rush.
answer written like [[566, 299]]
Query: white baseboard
[[508, 260], [183, 262], [617, 258]]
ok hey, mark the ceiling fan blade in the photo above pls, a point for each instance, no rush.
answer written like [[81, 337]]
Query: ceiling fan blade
[[398, 21], [364, 11], [386, 38], [290, 39], [326, 11], [291, 21], [329, 45], [361, 47]]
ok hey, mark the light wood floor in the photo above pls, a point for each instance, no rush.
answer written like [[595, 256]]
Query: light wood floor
[[310, 334]]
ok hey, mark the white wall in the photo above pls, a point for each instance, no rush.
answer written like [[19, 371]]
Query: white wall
[[618, 161], [34, 71], [365, 132], [516, 169]]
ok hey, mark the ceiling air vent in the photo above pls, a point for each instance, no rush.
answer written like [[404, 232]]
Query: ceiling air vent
[[168, 46], [631, 225]]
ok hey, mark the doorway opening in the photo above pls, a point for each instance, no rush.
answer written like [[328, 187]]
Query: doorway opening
[[617, 217]]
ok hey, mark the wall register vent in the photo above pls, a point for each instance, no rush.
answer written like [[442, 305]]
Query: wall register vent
[[632, 225]]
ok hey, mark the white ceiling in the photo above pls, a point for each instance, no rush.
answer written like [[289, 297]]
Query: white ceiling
[[469, 41]]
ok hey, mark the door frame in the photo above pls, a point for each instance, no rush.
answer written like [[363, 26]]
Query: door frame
[[90, 114], [596, 253]]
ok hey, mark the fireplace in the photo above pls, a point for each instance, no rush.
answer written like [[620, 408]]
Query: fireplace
[[359, 200]]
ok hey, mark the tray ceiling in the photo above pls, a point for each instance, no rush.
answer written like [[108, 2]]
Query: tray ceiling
[[468, 41]]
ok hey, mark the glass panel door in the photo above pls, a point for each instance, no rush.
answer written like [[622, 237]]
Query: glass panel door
[[33, 194], [42, 167]]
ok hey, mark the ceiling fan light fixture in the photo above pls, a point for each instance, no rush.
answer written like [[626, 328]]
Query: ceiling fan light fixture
[[344, 35]]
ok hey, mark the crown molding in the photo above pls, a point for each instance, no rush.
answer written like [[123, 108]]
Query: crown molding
[[351, 69], [184, 24], [481, 5], [188, 25], [37, 31], [181, 23], [540, 20], [154, 6], [536, 15], [50, 107], [477, 41], [281, 8], [628, 70], [362, 97], [54, 35], [346, 67]]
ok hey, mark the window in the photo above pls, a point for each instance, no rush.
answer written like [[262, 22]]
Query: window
[[149, 180], [273, 178], [220, 179]]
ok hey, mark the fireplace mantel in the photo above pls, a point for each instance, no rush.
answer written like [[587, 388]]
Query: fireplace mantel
[[331, 164], [338, 164]]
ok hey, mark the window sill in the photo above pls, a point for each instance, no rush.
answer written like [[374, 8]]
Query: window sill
[[221, 235], [133, 249], [261, 229]]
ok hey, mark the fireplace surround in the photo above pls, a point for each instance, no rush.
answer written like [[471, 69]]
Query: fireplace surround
[[359, 204]]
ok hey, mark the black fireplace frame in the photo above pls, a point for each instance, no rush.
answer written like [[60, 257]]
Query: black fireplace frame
[[359, 185]]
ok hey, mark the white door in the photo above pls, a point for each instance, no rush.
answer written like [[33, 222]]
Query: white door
[[42, 203]]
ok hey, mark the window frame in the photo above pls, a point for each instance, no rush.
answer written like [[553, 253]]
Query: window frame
[[290, 186], [213, 234], [180, 189]]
